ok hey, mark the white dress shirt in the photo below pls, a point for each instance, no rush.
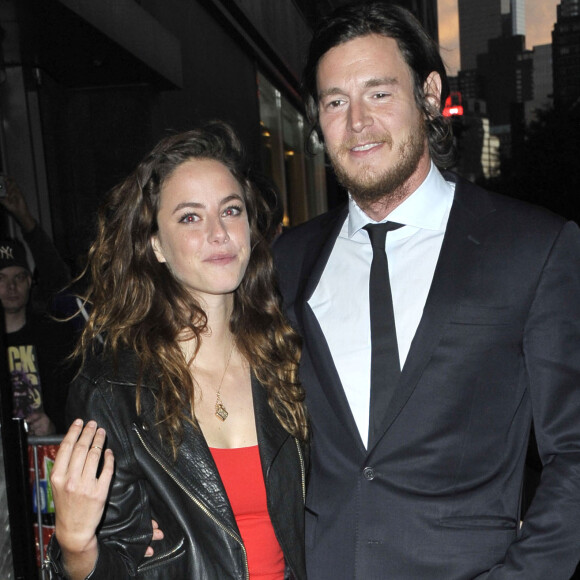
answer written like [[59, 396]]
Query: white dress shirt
[[341, 299]]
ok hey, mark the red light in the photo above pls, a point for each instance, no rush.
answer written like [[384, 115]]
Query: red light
[[450, 111], [453, 105]]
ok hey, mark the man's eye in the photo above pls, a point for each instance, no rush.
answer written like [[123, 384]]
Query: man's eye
[[380, 95]]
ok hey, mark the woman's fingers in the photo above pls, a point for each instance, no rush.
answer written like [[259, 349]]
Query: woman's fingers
[[106, 475], [79, 495], [77, 461], [66, 447], [82, 448], [157, 535], [157, 531], [93, 449]]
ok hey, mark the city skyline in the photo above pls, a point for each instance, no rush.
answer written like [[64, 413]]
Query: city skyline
[[540, 18]]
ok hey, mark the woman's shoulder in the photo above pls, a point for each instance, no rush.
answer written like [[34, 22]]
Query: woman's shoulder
[[122, 367], [106, 367], [106, 386]]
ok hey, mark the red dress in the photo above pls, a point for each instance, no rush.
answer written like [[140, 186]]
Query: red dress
[[240, 470]]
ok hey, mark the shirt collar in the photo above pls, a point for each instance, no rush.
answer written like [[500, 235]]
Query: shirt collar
[[425, 208]]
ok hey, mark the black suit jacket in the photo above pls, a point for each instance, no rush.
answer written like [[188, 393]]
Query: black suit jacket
[[437, 497]]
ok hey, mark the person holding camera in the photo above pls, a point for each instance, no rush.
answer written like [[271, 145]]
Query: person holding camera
[[37, 346], [51, 273]]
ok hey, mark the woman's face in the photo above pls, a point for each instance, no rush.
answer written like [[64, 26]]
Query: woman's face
[[204, 234]]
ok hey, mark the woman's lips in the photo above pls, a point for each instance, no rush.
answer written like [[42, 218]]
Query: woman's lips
[[220, 259]]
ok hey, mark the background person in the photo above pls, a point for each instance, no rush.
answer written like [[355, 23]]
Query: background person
[[420, 476], [51, 272], [37, 348], [195, 390]]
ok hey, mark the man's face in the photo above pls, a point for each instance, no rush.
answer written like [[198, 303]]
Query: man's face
[[373, 130], [15, 283]]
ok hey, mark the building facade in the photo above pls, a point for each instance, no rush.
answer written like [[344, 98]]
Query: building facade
[[543, 82], [478, 22], [566, 55], [89, 87]]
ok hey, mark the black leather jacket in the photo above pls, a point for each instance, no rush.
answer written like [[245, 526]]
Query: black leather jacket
[[185, 497]]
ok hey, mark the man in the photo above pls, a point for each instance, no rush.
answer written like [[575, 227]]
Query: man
[[52, 272], [37, 348], [420, 478]]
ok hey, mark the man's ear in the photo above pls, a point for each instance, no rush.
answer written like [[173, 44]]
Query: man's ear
[[432, 90], [157, 248]]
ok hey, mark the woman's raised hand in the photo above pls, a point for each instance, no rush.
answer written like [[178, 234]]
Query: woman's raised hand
[[79, 495]]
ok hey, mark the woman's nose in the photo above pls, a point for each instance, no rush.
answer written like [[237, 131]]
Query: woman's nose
[[217, 231]]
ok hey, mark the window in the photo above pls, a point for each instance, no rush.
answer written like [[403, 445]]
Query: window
[[298, 175]]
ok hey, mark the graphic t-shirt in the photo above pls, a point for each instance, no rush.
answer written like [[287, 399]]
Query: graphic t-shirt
[[25, 377], [39, 370]]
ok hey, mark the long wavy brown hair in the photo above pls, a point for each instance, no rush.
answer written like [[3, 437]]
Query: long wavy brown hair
[[136, 303]]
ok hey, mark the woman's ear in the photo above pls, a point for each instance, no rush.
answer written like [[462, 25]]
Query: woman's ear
[[157, 248], [432, 90]]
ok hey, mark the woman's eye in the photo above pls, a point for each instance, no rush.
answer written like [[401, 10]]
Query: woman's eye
[[232, 210], [189, 218]]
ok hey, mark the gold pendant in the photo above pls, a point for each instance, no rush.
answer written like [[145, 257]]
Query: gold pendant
[[220, 412]]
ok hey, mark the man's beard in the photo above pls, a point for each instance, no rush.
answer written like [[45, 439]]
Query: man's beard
[[368, 185]]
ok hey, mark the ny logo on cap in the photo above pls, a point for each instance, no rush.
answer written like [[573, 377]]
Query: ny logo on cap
[[6, 253]]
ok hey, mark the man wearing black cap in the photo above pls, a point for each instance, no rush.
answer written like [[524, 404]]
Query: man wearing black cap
[[37, 347]]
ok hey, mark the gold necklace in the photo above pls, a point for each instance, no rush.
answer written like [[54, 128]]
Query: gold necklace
[[220, 411]]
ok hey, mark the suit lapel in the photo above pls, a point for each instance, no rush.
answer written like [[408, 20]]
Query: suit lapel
[[316, 354], [460, 252], [318, 255]]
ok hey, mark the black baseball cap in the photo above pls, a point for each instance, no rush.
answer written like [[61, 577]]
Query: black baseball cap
[[13, 253]]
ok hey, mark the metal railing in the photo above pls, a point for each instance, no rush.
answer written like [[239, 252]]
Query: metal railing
[[34, 443]]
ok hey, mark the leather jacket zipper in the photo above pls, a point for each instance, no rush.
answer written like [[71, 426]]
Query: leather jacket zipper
[[302, 469], [198, 503], [154, 560]]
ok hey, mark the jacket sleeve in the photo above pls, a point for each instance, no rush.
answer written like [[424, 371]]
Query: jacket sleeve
[[126, 528], [548, 545]]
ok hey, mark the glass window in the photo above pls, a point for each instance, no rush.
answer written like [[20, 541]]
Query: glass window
[[298, 175]]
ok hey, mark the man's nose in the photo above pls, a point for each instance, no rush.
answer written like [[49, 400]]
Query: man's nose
[[360, 116]]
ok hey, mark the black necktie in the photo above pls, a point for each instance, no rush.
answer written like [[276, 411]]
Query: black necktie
[[385, 364]]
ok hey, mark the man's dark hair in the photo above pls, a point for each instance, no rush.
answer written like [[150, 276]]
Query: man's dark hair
[[419, 50]]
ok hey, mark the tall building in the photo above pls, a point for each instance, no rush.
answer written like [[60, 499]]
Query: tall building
[[506, 74], [482, 21], [570, 8], [543, 84], [566, 54], [518, 16], [478, 22]]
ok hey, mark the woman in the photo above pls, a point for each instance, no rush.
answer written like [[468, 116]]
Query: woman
[[194, 389]]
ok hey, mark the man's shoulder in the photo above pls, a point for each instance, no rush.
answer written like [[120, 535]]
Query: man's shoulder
[[500, 207], [315, 229], [41, 328]]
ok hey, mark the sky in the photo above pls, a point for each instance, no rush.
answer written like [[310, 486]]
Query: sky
[[540, 19]]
